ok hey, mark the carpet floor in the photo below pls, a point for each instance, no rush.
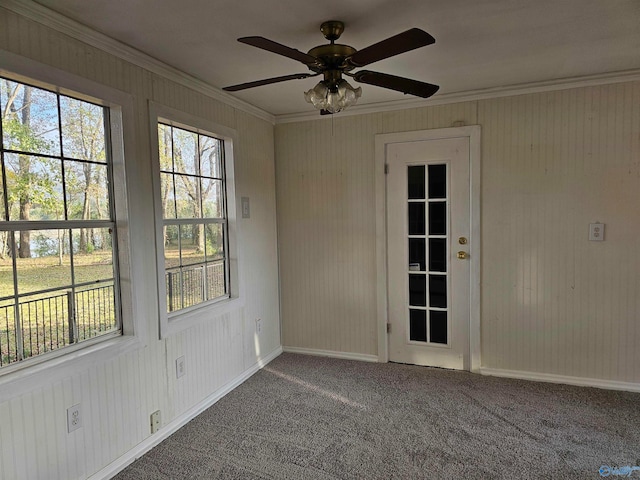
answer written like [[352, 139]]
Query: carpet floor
[[304, 417]]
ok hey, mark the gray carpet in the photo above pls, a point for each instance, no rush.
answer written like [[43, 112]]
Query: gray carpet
[[307, 417]]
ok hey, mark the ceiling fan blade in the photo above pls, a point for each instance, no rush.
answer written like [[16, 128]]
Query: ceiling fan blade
[[267, 81], [280, 49], [400, 84], [403, 42]]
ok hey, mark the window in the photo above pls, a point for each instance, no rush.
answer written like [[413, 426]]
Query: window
[[59, 285], [195, 230]]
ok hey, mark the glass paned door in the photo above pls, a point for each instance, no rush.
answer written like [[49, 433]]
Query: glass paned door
[[428, 292]]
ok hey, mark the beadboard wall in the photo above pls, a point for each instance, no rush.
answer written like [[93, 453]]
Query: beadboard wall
[[118, 394], [551, 301]]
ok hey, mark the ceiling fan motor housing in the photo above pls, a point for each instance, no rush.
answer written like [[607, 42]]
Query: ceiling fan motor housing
[[332, 62], [332, 56]]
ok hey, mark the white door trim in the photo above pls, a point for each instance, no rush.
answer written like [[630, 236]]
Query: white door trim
[[472, 360]]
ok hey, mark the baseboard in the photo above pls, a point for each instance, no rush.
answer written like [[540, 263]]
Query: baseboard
[[551, 378], [150, 442], [330, 353]]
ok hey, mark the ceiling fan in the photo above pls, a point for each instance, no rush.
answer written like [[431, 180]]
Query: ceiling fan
[[333, 60]]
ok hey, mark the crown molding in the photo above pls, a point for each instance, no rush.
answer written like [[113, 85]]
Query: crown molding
[[56, 21], [472, 95]]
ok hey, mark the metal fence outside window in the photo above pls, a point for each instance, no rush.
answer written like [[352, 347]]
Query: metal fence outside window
[[50, 323], [189, 286]]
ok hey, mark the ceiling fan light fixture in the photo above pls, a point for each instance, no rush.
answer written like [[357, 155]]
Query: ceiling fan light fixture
[[335, 99], [317, 95], [333, 94]]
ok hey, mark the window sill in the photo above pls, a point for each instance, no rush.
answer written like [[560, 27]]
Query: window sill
[[39, 375], [179, 321]]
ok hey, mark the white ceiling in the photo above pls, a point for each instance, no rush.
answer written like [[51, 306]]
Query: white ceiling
[[479, 44]]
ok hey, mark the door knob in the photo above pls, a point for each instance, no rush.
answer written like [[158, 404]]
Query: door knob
[[462, 255]]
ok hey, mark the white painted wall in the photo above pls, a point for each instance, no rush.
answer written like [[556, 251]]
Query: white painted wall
[[551, 301], [118, 394]]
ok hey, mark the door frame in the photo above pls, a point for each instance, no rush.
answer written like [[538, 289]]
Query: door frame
[[472, 360]]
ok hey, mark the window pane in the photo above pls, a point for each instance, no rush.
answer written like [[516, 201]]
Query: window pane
[[192, 285], [92, 254], [214, 241], [418, 325], [437, 254], [34, 187], [187, 196], [437, 181], [438, 326], [167, 196], [416, 218], [438, 291], [417, 290], [174, 290], [8, 342], [437, 218], [192, 243], [417, 254], [216, 280], [171, 246], [45, 322], [82, 130], [212, 196], [95, 311], [6, 265], [415, 181], [30, 123], [165, 149], [185, 151], [87, 191], [210, 157], [43, 260]]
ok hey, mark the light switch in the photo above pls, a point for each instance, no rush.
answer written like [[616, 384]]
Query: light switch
[[596, 232], [246, 213]]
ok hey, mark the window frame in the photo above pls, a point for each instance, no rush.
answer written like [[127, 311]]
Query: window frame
[[13, 227], [179, 320], [66, 361]]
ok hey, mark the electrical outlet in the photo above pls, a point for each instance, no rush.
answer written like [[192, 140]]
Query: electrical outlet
[[74, 418], [258, 325], [155, 421], [180, 368], [596, 232], [246, 210]]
